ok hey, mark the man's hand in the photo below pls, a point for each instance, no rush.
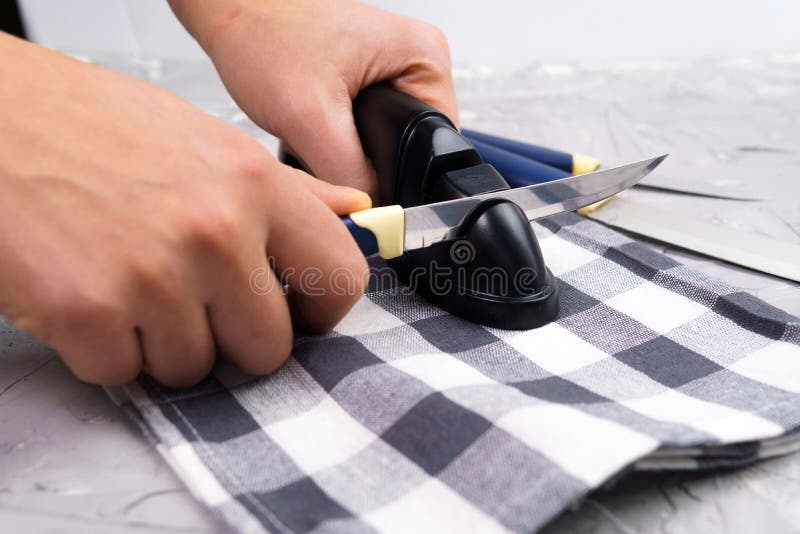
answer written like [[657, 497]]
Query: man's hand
[[131, 225], [294, 66]]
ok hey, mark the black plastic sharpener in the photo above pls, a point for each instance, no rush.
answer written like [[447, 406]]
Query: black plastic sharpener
[[490, 268]]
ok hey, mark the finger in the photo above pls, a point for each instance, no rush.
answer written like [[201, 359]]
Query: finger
[[316, 255], [249, 316], [107, 354], [176, 340], [342, 200], [433, 88], [324, 135], [420, 67]]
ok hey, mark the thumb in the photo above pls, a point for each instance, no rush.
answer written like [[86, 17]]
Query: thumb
[[342, 200]]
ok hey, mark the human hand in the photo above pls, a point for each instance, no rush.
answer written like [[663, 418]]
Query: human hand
[[295, 66], [131, 224]]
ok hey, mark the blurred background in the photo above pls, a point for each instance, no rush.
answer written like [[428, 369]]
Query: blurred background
[[509, 34]]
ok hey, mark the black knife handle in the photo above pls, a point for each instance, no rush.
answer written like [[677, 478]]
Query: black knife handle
[[409, 143]]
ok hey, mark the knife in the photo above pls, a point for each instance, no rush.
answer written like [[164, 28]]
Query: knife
[[572, 163], [757, 252], [523, 164], [391, 230], [674, 184]]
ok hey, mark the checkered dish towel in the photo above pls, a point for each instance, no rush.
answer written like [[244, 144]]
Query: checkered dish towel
[[409, 419]]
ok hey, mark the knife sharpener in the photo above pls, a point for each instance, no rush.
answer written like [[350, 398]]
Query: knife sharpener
[[490, 268]]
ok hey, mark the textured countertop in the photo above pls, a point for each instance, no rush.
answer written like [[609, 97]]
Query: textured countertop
[[70, 461]]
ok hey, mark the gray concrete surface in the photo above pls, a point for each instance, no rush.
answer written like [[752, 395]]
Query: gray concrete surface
[[70, 462]]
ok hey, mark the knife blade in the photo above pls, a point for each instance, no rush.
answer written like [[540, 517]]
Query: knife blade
[[757, 252], [698, 188], [392, 229]]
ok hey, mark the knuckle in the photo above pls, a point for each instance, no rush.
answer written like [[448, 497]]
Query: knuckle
[[437, 40], [243, 162], [156, 275], [215, 226], [215, 220], [432, 40], [250, 163]]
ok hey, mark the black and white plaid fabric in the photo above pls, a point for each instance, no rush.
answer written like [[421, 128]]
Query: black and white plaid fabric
[[408, 419]]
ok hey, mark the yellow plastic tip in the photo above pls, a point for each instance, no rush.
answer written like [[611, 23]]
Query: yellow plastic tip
[[586, 210], [581, 164], [387, 223]]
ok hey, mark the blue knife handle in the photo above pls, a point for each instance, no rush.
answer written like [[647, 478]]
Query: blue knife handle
[[364, 238], [518, 171], [548, 156]]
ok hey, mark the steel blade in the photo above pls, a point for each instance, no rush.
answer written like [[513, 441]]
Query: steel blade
[[757, 252], [430, 223], [698, 188]]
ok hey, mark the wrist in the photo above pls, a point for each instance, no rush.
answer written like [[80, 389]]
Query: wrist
[[206, 20]]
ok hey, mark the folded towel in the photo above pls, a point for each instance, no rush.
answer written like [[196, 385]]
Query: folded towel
[[406, 418]]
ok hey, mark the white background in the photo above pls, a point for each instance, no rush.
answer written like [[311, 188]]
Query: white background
[[500, 33]]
